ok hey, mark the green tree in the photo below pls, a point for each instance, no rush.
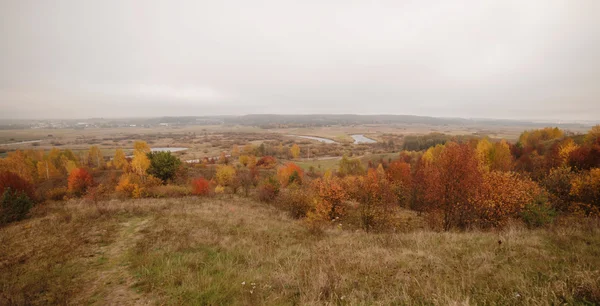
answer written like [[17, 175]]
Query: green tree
[[14, 205], [163, 165]]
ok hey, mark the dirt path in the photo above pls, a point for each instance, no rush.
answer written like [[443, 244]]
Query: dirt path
[[111, 282]]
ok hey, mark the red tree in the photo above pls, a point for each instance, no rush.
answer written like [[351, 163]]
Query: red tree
[[201, 186], [15, 183], [79, 181]]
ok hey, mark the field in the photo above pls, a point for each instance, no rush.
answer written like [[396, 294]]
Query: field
[[234, 251]]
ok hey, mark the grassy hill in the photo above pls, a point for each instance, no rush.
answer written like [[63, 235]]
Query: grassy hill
[[234, 251]]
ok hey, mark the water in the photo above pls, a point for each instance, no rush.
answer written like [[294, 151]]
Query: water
[[325, 140], [171, 149], [360, 138]]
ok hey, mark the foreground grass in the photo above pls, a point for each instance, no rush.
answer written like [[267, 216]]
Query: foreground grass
[[235, 251]]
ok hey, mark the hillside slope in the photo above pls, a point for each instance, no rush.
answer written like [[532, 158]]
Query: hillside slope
[[235, 251]]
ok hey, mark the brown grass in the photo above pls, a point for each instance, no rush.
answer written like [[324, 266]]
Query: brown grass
[[234, 251]]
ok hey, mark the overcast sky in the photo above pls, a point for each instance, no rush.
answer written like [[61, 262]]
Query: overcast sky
[[524, 59]]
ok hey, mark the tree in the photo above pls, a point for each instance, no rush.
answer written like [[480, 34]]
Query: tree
[[295, 151], [348, 166], [452, 185], [558, 184], [16, 183], [225, 175], [332, 194], [14, 205], [585, 188], [289, 174], [500, 157], [267, 162], [376, 196], [95, 157], [140, 163], [501, 196], [47, 170], [201, 187], [593, 135], [141, 146], [79, 181], [19, 163], [163, 165], [119, 161], [223, 159], [235, 151]]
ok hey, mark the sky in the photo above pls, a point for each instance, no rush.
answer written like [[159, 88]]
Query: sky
[[534, 59]]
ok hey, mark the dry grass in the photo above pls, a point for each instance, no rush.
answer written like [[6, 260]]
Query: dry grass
[[236, 251]]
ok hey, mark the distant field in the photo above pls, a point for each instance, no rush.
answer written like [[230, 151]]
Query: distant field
[[210, 141], [234, 251]]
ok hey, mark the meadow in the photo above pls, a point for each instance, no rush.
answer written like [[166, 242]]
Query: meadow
[[236, 251], [271, 219]]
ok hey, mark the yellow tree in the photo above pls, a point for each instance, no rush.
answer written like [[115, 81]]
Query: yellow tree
[[225, 175], [593, 134], [500, 157], [47, 170], [140, 163], [18, 163], [235, 151], [484, 147], [295, 151], [565, 150], [95, 157], [119, 161], [141, 146]]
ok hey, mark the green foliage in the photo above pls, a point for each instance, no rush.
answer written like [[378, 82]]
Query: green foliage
[[350, 166], [163, 165], [538, 214], [14, 206]]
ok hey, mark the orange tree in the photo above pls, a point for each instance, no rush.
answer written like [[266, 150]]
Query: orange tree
[[79, 181], [289, 174]]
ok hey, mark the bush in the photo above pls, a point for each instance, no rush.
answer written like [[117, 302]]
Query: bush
[[79, 181], [168, 191], [267, 162], [538, 214], [57, 194], [201, 187], [268, 190], [16, 183], [14, 205], [296, 201]]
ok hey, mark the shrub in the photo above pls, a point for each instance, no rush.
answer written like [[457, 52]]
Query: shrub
[[57, 194], [225, 175], [14, 205], [79, 181], [538, 214], [296, 201], [201, 187], [289, 174], [501, 196], [268, 190], [332, 195], [168, 191], [267, 162], [219, 189], [16, 183]]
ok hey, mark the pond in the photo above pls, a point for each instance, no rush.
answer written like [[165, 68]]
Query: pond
[[170, 149], [360, 138], [325, 140]]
